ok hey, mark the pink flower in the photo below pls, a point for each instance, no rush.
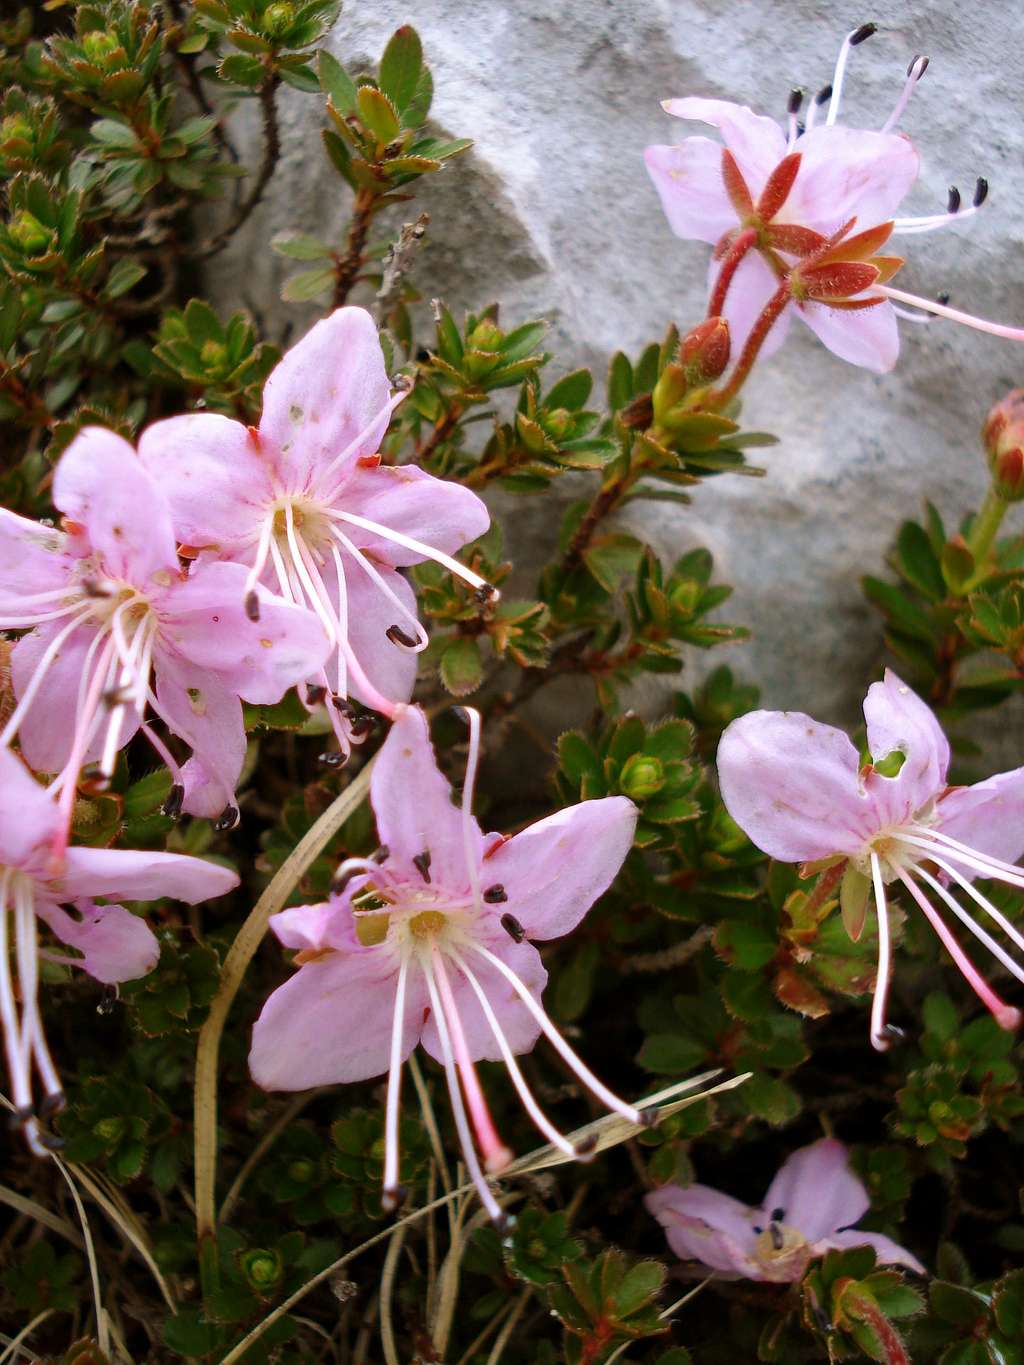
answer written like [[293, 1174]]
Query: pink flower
[[810, 1208], [304, 501], [114, 944], [113, 614], [428, 942], [798, 216], [799, 791]]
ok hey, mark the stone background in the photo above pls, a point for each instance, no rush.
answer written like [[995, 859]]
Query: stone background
[[553, 214]]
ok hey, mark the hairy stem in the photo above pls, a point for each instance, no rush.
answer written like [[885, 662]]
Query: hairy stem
[[241, 953], [271, 156], [984, 530], [442, 430], [352, 262], [769, 316], [730, 264]]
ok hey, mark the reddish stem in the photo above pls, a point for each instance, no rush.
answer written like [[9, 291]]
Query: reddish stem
[[730, 264], [770, 314]]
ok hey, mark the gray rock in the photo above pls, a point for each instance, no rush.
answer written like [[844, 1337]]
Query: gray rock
[[552, 213]]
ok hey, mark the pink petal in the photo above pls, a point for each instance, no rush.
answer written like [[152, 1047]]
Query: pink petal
[[850, 173], [988, 817], [204, 620], [28, 817], [750, 290], [555, 869], [899, 721], [138, 876], [517, 1023], [412, 802], [32, 557], [331, 1022], [101, 484], [304, 926], [887, 1252], [688, 179], [326, 390], [868, 337], [48, 728], [757, 143], [792, 785], [207, 715], [390, 668], [704, 1225], [216, 481], [816, 1191], [404, 498], [115, 944]]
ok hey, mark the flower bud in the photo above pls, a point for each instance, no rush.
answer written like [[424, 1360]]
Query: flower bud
[[486, 336], [558, 424], [277, 18], [1003, 435], [641, 777], [98, 46], [705, 350], [213, 354], [262, 1268], [32, 236], [670, 390]]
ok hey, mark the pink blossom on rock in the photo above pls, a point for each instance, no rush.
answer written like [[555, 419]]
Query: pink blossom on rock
[[114, 945], [116, 628], [428, 943], [304, 501], [810, 1208], [805, 210], [799, 791]]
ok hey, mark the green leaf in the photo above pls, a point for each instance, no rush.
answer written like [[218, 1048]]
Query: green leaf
[[377, 113], [613, 558], [400, 66], [113, 133], [308, 284], [123, 276], [854, 890], [336, 83], [670, 1053], [300, 246], [461, 666], [940, 1017], [571, 392], [918, 561], [301, 78], [745, 945], [639, 1286]]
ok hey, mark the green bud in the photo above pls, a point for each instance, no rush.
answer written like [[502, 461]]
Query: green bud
[[669, 392], [485, 336], [558, 424], [301, 1171], [16, 127], [30, 234], [213, 355], [98, 46], [278, 18], [685, 596], [111, 1129], [262, 1268], [377, 1149], [641, 777]]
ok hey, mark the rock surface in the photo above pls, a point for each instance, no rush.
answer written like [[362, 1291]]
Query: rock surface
[[553, 214]]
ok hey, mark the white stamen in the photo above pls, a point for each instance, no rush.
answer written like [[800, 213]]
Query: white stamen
[[921, 319], [354, 445], [419, 547], [170, 762], [422, 638], [601, 1091], [32, 1040], [979, 933], [917, 69], [21, 1092], [982, 863], [838, 77], [262, 553], [996, 329], [391, 1111], [339, 568], [531, 1106], [39, 673], [879, 1038], [315, 593], [912, 227], [469, 844], [455, 1094], [1009, 929]]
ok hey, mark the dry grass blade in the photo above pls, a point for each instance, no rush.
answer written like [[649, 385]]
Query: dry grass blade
[[129, 1228], [13, 1347], [387, 1286], [610, 1131], [21, 1204], [102, 1330]]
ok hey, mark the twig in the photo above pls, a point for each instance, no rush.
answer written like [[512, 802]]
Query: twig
[[398, 261], [667, 958], [351, 263], [271, 155]]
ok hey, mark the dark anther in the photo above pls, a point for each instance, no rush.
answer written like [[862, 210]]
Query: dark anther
[[801, 128], [341, 879], [252, 605], [796, 98], [398, 636], [777, 1215], [19, 1117], [924, 64], [824, 95], [361, 727], [345, 707], [92, 587], [117, 696], [953, 202], [51, 1141], [175, 797], [513, 928], [980, 192], [107, 1001], [52, 1104], [315, 693], [484, 593], [421, 863], [423, 355], [495, 895], [331, 758], [862, 34], [942, 298], [776, 1236], [586, 1147], [393, 1198], [758, 1229], [648, 1118], [382, 854], [227, 819], [893, 1034], [504, 1222]]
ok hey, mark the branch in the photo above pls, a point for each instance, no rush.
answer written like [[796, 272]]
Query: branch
[[352, 262], [271, 154], [398, 261]]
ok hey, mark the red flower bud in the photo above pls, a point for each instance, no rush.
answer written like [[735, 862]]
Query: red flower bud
[[1003, 434], [705, 350]]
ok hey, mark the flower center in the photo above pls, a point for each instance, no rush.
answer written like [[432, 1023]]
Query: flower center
[[781, 1251], [427, 924]]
